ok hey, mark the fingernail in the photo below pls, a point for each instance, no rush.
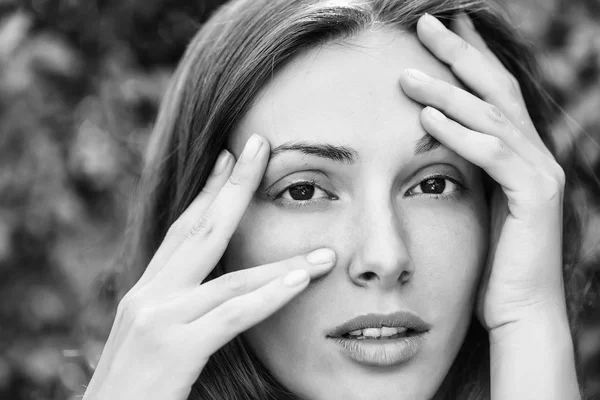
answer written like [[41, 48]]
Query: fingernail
[[295, 277], [321, 256], [251, 149], [434, 23], [222, 162], [435, 114], [418, 75]]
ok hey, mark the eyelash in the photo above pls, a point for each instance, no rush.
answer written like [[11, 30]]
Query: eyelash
[[453, 195], [304, 203]]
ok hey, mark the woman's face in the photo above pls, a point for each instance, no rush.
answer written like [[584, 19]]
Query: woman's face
[[407, 221]]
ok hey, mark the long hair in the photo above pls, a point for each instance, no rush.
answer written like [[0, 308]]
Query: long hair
[[231, 58]]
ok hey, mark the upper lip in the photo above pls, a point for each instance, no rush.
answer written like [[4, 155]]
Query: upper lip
[[402, 319]]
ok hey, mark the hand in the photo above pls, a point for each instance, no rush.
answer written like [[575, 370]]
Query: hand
[[494, 131], [168, 325]]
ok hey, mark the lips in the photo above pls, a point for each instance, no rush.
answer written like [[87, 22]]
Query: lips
[[380, 340], [379, 325]]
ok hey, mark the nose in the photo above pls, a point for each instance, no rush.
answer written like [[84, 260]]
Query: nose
[[382, 258]]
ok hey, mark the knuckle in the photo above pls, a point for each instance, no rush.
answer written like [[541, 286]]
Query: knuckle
[[267, 299], [461, 47], [232, 313], [511, 132], [133, 307], [560, 176], [204, 225], [126, 304], [236, 178], [547, 188], [464, 46], [153, 335], [514, 132], [122, 307], [495, 115], [143, 320], [515, 107], [497, 148], [554, 195], [235, 281], [553, 191]]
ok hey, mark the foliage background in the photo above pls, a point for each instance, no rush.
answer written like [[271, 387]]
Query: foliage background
[[80, 83]]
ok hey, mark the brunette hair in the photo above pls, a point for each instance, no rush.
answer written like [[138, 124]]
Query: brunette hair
[[231, 58]]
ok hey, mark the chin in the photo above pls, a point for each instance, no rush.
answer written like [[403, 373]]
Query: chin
[[338, 377], [381, 388]]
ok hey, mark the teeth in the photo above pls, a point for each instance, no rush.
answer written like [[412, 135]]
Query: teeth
[[384, 331], [372, 332]]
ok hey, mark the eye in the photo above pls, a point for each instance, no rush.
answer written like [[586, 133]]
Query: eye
[[302, 194], [436, 186], [302, 191]]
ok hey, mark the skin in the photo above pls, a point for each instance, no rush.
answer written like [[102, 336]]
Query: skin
[[398, 248], [171, 321]]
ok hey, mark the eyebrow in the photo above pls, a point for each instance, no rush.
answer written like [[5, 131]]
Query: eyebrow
[[342, 154], [426, 144], [346, 154]]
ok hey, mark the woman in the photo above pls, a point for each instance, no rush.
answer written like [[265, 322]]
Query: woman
[[391, 229]]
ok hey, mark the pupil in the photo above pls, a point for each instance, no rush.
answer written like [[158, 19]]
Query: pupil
[[302, 192], [434, 186]]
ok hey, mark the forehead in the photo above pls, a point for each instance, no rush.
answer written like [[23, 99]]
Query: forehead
[[344, 94]]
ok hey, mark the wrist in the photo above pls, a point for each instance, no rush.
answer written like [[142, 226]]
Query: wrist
[[547, 319], [533, 356]]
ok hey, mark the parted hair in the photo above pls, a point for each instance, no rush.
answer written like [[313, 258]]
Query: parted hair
[[230, 59]]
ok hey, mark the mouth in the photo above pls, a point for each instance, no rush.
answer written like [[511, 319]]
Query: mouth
[[381, 327], [383, 333], [381, 340]]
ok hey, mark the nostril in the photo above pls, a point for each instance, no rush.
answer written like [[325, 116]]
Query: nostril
[[404, 277], [368, 276]]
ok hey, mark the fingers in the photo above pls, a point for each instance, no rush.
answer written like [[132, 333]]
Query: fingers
[[210, 233], [480, 70], [180, 228], [209, 295], [469, 111], [485, 151], [237, 315], [463, 26], [468, 63], [495, 85], [523, 184]]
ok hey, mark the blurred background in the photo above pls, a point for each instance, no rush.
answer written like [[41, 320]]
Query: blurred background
[[80, 83]]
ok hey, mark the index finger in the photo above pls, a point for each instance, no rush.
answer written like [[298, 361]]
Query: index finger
[[179, 229], [495, 85], [468, 63], [463, 26], [208, 238]]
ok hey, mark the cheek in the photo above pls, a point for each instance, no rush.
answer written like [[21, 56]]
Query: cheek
[[449, 249], [265, 236], [262, 238]]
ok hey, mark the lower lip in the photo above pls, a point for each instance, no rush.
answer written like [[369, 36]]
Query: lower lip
[[381, 353]]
